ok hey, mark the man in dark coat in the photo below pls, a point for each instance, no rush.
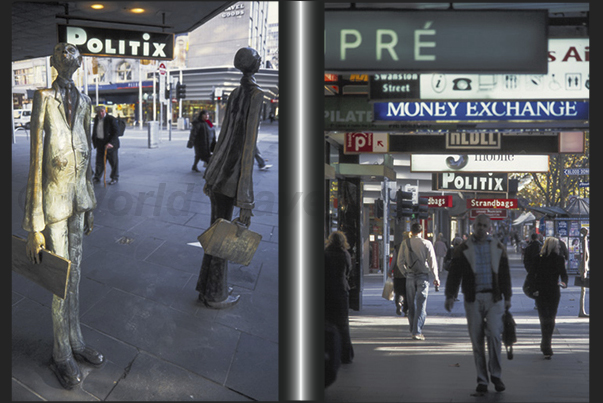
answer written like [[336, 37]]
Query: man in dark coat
[[482, 265], [105, 138], [228, 181]]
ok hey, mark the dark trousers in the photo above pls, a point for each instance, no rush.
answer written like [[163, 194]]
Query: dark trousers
[[400, 293], [100, 162], [337, 313], [212, 283], [547, 305]]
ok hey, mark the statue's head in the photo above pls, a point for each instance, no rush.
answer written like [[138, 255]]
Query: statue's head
[[66, 59], [247, 60]]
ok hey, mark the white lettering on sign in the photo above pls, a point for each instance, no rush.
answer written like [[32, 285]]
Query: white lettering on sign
[[479, 109], [78, 36], [464, 182], [473, 140], [385, 43], [492, 203]]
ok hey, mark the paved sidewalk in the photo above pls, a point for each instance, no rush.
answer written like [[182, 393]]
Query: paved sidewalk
[[391, 367], [138, 300]]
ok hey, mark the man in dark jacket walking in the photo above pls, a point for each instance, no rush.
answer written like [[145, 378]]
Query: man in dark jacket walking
[[105, 138], [482, 265]]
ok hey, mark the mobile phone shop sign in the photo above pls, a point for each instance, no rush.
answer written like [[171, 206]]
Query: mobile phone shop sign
[[94, 41], [478, 163], [481, 111], [445, 41]]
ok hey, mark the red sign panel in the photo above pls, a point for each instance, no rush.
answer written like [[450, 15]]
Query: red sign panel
[[439, 201], [356, 143], [492, 203], [494, 214]]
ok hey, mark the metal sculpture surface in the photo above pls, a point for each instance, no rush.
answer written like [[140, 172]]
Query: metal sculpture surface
[[228, 177], [59, 202]]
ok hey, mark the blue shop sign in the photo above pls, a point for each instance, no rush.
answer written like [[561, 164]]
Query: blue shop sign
[[481, 111]]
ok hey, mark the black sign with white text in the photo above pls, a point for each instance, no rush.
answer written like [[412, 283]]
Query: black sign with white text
[[394, 86], [94, 41]]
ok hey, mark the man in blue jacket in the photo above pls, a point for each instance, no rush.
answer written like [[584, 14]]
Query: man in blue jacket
[[481, 264]]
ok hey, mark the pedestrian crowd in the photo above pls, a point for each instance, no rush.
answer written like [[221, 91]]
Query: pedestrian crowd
[[477, 265]]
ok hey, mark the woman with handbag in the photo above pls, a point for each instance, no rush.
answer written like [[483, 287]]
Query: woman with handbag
[[550, 267], [338, 264]]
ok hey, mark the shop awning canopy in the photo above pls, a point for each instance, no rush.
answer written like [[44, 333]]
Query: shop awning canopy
[[553, 211], [526, 216]]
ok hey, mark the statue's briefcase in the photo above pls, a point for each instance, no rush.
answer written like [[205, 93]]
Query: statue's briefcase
[[52, 272], [231, 241]]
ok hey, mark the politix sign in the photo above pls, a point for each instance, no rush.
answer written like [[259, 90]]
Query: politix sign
[[366, 142], [93, 41], [492, 203]]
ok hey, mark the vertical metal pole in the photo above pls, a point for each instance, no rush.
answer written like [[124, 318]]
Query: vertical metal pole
[[154, 95], [140, 95], [180, 100]]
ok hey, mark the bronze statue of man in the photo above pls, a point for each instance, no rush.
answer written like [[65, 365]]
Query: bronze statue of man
[[228, 176], [59, 201]]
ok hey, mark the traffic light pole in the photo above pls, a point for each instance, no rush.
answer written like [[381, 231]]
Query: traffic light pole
[[385, 191]]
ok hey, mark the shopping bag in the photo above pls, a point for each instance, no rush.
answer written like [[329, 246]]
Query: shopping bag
[[388, 289], [231, 241]]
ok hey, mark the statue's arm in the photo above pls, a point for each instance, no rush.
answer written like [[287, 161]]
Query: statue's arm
[[33, 220]]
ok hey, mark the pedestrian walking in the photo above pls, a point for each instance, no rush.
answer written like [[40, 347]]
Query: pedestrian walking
[[441, 249], [338, 265], [481, 264], [260, 160], [202, 138], [105, 138], [532, 253], [418, 260], [399, 281], [548, 271]]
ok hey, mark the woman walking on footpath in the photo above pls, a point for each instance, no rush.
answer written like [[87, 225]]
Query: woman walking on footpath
[[202, 138], [338, 264], [550, 267]]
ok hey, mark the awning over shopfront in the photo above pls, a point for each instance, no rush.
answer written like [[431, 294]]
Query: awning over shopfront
[[526, 216]]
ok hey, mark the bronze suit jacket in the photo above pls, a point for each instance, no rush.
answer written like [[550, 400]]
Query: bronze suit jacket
[[60, 175]]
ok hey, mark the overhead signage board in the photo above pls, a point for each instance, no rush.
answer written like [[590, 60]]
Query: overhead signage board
[[94, 41], [365, 142], [478, 163], [471, 182], [494, 214], [576, 171], [568, 77], [478, 142], [492, 203], [446, 41], [394, 86], [439, 201], [481, 111]]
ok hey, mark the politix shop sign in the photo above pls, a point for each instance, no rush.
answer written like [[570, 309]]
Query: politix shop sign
[[365, 142], [492, 203], [478, 163], [471, 182], [93, 41]]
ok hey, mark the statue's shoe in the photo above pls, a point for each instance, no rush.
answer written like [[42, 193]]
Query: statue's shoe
[[68, 372], [91, 356]]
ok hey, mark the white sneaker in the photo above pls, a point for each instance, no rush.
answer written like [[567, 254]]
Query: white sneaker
[[265, 167]]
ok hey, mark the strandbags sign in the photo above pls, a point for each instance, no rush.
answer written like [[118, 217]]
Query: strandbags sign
[[445, 41], [93, 41], [481, 111]]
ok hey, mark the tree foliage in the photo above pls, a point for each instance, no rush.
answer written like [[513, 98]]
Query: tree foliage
[[554, 187]]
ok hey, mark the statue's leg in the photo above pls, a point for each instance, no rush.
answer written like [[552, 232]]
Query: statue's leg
[[76, 232], [57, 241], [212, 283]]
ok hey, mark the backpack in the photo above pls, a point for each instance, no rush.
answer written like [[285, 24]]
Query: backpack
[[121, 126], [417, 265]]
